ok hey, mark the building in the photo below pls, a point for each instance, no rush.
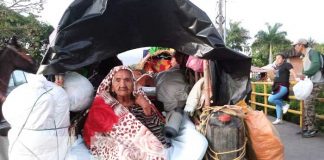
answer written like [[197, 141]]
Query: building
[[296, 60]]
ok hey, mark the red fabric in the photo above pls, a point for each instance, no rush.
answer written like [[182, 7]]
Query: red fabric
[[101, 118]]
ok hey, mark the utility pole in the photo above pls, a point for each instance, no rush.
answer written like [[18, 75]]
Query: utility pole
[[221, 19], [225, 21]]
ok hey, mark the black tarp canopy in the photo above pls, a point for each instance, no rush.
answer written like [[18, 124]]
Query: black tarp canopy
[[93, 30]]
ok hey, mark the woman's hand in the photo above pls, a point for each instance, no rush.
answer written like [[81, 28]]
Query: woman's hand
[[144, 103], [302, 77]]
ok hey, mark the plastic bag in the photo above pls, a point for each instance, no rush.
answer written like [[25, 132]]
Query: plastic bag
[[303, 89], [195, 64], [38, 112], [264, 138], [80, 91], [37, 104]]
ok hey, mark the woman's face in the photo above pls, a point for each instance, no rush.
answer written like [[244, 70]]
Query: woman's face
[[122, 83], [298, 48], [279, 60]]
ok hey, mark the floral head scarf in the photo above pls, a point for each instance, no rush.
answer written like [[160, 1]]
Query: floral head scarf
[[105, 85]]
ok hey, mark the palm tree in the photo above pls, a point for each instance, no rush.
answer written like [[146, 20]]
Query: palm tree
[[311, 42], [270, 38], [237, 36]]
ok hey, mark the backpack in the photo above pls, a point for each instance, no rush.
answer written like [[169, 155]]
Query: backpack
[[322, 63]]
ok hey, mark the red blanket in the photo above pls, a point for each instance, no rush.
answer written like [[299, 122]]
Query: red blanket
[[119, 136]]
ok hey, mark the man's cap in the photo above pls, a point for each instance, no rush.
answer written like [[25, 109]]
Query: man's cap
[[300, 41]]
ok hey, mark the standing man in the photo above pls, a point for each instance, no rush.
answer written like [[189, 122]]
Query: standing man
[[311, 69]]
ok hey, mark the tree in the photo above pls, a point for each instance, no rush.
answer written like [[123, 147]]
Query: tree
[[24, 6], [311, 42], [30, 32], [272, 39], [237, 36], [259, 59], [319, 47]]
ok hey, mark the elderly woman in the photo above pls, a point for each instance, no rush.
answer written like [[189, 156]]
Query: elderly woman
[[123, 124]]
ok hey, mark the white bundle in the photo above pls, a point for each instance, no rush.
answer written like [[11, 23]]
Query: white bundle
[[80, 91], [43, 145], [303, 89], [38, 104], [38, 113]]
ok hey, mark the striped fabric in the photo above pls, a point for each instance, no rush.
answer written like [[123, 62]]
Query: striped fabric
[[153, 122]]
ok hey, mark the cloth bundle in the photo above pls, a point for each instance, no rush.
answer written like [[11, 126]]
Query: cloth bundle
[[38, 113], [80, 91], [195, 64], [172, 90]]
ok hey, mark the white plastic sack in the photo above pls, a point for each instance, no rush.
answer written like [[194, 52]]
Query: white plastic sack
[[303, 89], [38, 112], [37, 105], [42, 145], [80, 91]]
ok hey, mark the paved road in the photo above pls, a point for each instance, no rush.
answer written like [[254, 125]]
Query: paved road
[[298, 148]]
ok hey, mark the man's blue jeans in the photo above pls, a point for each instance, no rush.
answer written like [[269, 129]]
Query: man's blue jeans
[[277, 99]]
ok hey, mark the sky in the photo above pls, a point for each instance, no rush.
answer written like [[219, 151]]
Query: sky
[[300, 18]]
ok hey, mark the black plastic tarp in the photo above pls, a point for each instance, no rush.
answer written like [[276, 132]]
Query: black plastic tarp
[[90, 31]]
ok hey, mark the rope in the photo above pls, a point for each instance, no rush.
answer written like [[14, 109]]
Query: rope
[[30, 150], [205, 117], [213, 154], [46, 129], [206, 114]]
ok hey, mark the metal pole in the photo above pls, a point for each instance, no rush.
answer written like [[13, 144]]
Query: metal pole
[[220, 18], [225, 22]]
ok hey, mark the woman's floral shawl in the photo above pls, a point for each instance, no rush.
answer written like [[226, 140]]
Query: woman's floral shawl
[[112, 131]]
